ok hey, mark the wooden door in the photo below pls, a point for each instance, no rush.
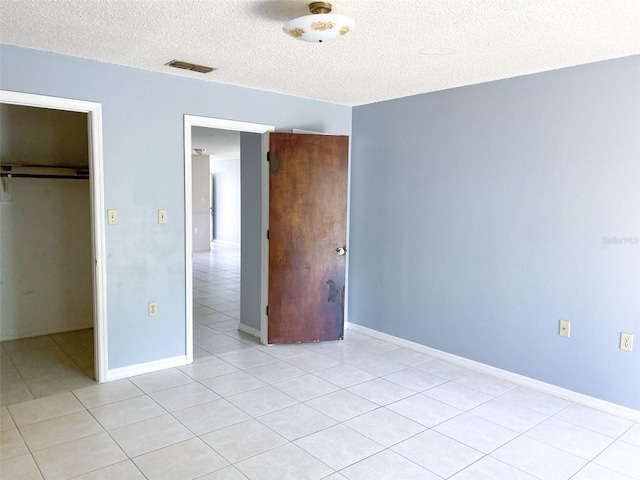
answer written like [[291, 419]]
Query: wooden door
[[307, 237]]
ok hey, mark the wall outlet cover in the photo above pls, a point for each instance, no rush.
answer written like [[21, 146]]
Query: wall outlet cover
[[626, 341]]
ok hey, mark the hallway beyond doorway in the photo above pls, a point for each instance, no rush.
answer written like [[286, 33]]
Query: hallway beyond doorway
[[216, 302]]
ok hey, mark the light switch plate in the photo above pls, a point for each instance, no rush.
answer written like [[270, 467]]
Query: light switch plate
[[162, 216], [112, 216], [565, 328]]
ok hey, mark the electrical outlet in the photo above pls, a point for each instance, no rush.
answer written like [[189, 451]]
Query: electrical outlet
[[162, 216], [153, 309], [565, 328], [626, 341], [112, 216]]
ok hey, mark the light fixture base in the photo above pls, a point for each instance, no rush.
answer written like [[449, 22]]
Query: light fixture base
[[320, 7]]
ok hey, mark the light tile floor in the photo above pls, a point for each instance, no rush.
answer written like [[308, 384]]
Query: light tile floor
[[357, 409], [40, 366]]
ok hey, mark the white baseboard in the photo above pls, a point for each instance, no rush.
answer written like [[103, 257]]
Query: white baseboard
[[564, 393], [249, 330], [148, 367]]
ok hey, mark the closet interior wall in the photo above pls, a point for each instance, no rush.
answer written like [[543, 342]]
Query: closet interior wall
[[45, 223]]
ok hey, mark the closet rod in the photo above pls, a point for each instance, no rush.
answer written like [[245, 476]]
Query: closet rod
[[42, 175]]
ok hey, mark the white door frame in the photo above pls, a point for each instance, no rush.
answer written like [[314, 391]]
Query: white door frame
[[222, 124], [96, 182]]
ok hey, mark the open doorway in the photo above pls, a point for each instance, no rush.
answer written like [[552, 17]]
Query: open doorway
[[252, 246], [216, 258], [52, 245]]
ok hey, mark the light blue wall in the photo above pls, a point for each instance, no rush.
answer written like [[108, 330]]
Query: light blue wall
[[478, 216], [143, 170], [251, 229]]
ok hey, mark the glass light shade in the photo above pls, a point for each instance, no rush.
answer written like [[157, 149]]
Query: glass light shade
[[319, 27]]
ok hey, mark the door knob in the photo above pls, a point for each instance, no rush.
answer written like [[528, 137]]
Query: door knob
[[341, 250]]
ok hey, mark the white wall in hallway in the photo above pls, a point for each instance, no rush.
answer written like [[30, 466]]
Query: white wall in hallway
[[201, 202]]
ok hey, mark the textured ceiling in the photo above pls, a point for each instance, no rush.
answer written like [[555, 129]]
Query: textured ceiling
[[398, 48]]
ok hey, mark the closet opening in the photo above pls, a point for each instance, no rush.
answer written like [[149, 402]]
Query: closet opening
[[47, 261]]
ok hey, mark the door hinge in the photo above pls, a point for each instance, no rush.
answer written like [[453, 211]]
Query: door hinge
[[267, 234], [268, 156], [267, 310]]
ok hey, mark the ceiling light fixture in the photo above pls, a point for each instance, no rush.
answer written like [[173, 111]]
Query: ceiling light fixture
[[321, 26]]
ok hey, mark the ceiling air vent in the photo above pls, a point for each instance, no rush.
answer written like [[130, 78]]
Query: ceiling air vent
[[190, 66]]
